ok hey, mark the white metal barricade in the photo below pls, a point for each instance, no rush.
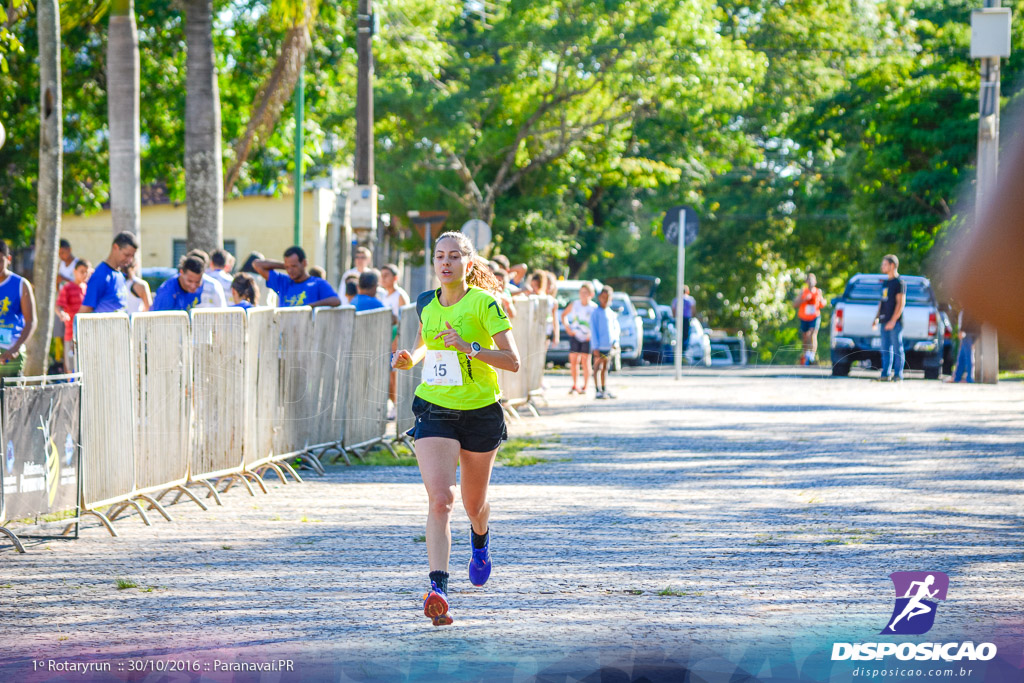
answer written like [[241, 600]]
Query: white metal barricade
[[295, 386], [220, 395], [332, 345], [406, 381], [538, 349], [370, 366], [261, 373], [108, 415], [514, 385], [162, 374]]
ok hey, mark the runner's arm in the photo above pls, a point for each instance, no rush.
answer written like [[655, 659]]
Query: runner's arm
[[505, 357], [405, 359]]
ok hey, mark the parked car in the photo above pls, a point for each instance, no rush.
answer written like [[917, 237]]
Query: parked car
[[655, 325], [698, 351], [851, 337]]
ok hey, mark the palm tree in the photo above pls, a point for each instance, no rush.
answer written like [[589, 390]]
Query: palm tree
[[203, 172], [48, 211], [123, 116]]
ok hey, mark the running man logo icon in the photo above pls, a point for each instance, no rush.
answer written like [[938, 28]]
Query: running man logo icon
[[298, 300], [917, 597], [5, 305]]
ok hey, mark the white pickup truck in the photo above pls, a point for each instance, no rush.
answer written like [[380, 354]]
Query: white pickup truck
[[852, 338]]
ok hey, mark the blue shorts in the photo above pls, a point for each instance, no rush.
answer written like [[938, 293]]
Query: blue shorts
[[808, 325], [479, 431]]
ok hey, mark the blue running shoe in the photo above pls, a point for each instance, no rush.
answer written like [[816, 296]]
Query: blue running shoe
[[435, 606], [480, 565]]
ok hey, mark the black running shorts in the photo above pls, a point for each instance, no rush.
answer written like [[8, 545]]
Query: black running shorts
[[479, 431], [577, 346]]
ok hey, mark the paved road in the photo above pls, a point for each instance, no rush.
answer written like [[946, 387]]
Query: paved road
[[769, 505]]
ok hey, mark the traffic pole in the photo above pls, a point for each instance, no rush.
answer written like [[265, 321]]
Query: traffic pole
[[680, 272]]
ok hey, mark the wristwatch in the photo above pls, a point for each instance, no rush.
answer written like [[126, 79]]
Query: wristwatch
[[475, 346]]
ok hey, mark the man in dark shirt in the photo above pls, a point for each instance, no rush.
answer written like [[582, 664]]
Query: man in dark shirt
[[890, 317]]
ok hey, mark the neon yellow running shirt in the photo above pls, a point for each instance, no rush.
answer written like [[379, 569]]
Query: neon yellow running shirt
[[477, 317]]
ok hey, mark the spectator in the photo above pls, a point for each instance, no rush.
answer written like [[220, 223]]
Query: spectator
[[604, 325], [106, 290], [968, 331], [317, 271], [505, 295], [140, 298], [689, 306], [517, 275], [220, 270], [576, 320], [69, 300], [17, 315], [808, 306], [297, 288], [364, 261], [351, 288], [184, 291], [66, 267], [544, 282], [211, 294], [266, 294], [890, 317], [366, 299], [502, 262], [244, 293], [396, 296]]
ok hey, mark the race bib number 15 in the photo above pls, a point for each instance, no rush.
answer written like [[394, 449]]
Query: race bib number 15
[[442, 369]]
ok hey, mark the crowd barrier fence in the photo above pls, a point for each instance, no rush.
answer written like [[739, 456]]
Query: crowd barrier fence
[[219, 398], [332, 343], [40, 417], [369, 370], [169, 400], [162, 378], [108, 416], [406, 381]]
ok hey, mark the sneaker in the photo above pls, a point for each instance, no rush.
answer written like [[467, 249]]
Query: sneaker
[[480, 564], [599, 394], [608, 394], [435, 606], [574, 390]]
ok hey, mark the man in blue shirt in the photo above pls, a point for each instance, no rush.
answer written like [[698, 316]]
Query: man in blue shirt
[[106, 290], [181, 293], [297, 287]]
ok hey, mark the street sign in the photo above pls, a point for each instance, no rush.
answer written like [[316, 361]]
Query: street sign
[[478, 232], [670, 225]]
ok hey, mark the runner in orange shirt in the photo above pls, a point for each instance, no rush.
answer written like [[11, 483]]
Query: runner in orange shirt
[[808, 309]]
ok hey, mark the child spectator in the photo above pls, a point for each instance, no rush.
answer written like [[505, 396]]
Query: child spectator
[[604, 328], [244, 293], [69, 301]]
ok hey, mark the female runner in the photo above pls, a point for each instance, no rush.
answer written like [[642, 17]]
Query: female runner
[[464, 336]]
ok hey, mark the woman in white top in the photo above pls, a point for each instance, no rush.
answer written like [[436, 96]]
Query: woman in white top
[[139, 296]]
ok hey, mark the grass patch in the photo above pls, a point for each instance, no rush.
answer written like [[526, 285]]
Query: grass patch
[[380, 456], [308, 520], [511, 453], [675, 593], [419, 539], [225, 547], [1011, 375], [633, 591], [123, 584], [6, 585]]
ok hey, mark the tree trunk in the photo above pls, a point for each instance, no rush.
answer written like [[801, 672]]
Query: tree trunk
[[203, 172], [44, 273], [123, 117]]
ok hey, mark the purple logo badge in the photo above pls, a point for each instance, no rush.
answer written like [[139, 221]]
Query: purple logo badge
[[917, 597]]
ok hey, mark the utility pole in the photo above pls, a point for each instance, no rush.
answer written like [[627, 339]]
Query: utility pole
[[990, 41], [364, 95]]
